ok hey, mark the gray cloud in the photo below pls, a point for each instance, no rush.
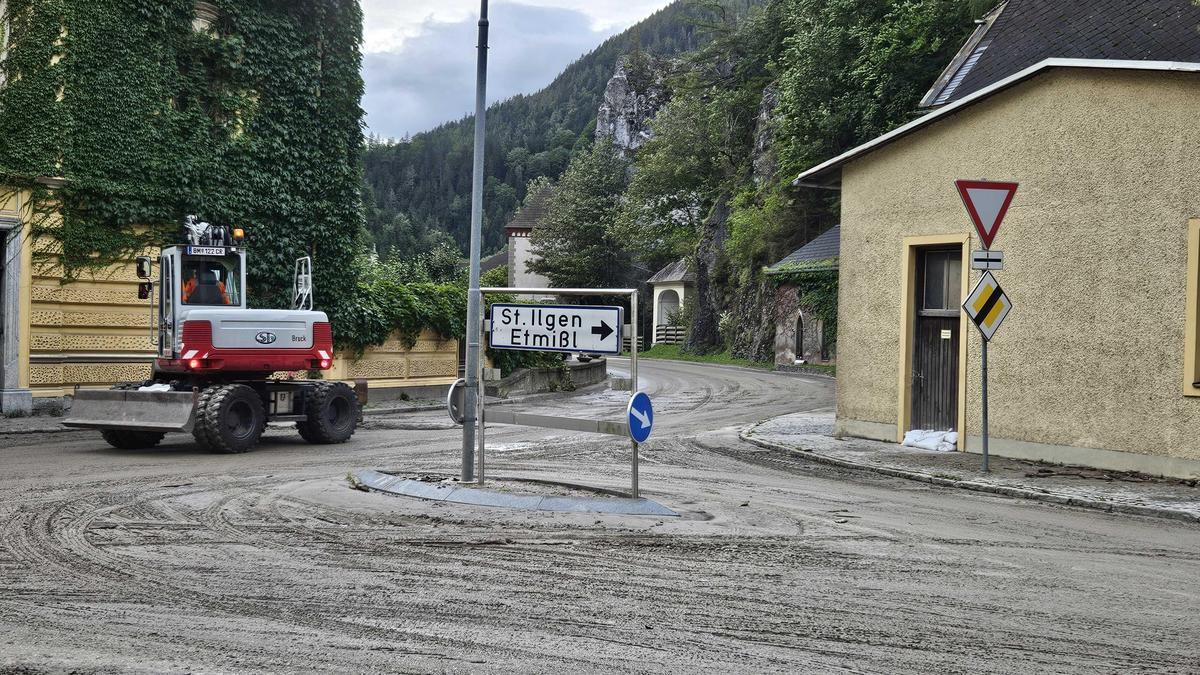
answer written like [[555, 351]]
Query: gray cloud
[[431, 78]]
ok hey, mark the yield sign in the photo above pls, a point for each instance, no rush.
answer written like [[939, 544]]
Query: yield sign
[[987, 203]]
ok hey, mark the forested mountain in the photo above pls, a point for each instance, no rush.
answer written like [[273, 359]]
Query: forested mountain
[[418, 192]]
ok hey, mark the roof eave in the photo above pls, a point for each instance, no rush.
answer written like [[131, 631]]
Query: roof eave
[[813, 176]]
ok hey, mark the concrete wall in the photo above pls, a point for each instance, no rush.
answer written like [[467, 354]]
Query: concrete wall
[[539, 380], [1092, 356]]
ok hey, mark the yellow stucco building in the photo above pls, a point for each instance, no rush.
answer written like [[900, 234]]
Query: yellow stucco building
[[1097, 363], [95, 331]]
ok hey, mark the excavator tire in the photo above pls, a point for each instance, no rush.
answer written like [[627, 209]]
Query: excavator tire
[[200, 429], [132, 440], [230, 418], [332, 414]]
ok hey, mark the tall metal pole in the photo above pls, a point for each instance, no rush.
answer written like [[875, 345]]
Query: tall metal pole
[[633, 377], [474, 311], [985, 407]]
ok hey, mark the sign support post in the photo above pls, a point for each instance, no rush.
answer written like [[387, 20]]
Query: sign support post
[[987, 202], [633, 375], [985, 409], [575, 342]]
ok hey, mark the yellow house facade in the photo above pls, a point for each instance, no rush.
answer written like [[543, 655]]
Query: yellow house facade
[[94, 332], [1097, 363]]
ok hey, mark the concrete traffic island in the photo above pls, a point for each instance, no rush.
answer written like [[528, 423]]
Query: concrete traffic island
[[510, 493]]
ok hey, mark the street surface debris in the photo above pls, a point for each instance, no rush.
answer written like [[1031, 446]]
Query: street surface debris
[[176, 560]]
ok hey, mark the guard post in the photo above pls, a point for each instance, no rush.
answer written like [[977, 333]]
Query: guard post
[[568, 424]]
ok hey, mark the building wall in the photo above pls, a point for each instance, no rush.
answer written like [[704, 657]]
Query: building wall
[[679, 288], [521, 252], [788, 311], [1092, 355], [95, 332]]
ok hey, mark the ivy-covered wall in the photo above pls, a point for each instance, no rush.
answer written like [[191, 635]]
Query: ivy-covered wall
[[253, 121]]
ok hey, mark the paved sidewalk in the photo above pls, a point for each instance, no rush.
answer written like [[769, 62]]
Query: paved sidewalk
[[811, 435]]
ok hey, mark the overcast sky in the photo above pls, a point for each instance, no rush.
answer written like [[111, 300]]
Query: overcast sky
[[419, 55]]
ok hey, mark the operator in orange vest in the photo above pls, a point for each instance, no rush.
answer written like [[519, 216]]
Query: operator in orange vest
[[192, 283]]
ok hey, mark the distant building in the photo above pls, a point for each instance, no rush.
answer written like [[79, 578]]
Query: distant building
[[800, 333], [1099, 361], [520, 246], [671, 285]]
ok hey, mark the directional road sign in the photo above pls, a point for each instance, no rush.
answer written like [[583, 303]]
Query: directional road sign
[[557, 328], [987, 203], [641, 417], [987, 260], [987, 306]]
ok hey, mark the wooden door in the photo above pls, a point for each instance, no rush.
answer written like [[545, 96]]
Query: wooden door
[[936, 339]]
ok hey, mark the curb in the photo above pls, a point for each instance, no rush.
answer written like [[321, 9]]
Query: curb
[[744, 369], [27, 432], [972, 486]]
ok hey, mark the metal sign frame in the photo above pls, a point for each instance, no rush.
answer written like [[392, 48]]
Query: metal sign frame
[[565, 423]]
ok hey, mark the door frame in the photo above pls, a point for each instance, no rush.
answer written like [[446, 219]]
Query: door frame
[[908, 324]]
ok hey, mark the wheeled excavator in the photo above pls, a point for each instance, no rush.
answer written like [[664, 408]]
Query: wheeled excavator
[[218, 364]]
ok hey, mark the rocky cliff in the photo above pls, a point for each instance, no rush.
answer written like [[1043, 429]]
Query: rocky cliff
[[632, 98]]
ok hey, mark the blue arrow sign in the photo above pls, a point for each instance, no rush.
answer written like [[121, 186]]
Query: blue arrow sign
[[641, 417]]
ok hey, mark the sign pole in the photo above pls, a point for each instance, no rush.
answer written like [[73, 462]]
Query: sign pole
[[633, 376], [985, 408], [482, 400], [474, 311]]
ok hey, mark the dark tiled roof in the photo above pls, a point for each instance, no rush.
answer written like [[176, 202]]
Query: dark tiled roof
[[826, 247], [1026, 32], [532, 213], [494, 260], [676, 271]]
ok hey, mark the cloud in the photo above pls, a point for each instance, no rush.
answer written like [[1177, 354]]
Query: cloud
[[424, 71]]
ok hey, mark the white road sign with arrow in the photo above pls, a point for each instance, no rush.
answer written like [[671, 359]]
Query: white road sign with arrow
[[556, 328]]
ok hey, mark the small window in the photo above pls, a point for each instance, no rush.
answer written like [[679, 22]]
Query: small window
[[211, 280], [941, 281]]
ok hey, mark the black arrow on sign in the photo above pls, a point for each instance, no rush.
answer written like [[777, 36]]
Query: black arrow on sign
[[603, 330]]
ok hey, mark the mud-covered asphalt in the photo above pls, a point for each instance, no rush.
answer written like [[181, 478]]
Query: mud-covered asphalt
[[175, 560]]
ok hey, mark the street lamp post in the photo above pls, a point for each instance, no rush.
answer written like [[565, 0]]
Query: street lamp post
[[474, 330]]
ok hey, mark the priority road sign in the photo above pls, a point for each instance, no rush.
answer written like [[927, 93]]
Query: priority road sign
[[556, 328], [641, 417], [987, 306], [987, 203], [987, 260]]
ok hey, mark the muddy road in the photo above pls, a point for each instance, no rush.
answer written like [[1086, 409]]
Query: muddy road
[[174, 560]]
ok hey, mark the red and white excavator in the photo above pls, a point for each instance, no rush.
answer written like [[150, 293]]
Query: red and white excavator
[[213, 375]]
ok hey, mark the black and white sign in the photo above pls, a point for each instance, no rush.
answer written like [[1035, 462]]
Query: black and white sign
[[987, 260], [557, 328]]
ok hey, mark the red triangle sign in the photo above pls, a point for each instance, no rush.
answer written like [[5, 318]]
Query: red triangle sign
[[987, 203]]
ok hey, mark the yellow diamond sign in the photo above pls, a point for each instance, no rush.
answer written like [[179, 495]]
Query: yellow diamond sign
[[987, 306]]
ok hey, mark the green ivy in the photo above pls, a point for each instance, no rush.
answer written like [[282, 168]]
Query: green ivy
[[817, 284], [254, 123]]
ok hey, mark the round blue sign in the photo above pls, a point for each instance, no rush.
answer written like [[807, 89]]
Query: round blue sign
[[641, 417]]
